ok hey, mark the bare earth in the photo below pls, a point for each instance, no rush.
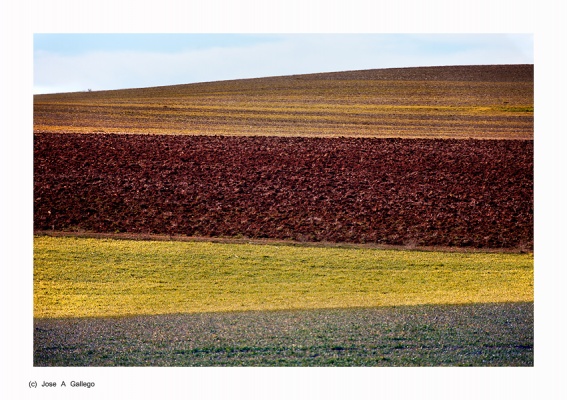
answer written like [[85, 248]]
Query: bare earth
[[420, 192]]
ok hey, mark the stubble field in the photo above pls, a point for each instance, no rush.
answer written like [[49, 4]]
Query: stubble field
[[482, 102]]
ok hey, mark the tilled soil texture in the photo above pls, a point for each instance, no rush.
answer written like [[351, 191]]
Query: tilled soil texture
[[482, 102], [433, 335], [422, 192]]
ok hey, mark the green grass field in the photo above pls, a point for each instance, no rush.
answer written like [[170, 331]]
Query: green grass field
[[497, 334], [78, 277], [106, 302]]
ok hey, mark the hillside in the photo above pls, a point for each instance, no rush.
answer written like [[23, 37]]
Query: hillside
[[483, 102]]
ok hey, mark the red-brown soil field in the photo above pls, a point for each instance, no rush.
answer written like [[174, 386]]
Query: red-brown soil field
[[413, 192], [385, 157]]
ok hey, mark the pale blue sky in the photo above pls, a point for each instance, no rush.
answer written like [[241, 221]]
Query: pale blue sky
[[77, 62]]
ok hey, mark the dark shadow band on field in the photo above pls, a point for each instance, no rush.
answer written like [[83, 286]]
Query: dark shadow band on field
[[489, 334], [272, 242]]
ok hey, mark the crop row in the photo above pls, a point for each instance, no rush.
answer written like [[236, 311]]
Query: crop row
[[476, 193], [482, 102]]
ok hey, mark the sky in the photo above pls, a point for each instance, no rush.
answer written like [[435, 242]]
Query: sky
[[79, 62]]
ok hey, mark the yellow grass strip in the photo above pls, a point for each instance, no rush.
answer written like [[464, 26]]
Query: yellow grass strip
[[80, 277]]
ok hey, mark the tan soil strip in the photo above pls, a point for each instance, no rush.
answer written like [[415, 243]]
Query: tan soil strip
[[273, 242]]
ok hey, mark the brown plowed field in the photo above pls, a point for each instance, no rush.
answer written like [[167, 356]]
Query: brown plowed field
[[471, 193]]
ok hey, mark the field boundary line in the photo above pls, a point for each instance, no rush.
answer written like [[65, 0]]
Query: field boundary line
[[270, 242]]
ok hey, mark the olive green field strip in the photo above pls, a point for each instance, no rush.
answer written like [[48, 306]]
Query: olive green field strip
[[490, 334], [484, 102], [80, 277]]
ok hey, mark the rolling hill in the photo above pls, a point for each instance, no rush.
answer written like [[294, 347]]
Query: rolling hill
[[484, 102]]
